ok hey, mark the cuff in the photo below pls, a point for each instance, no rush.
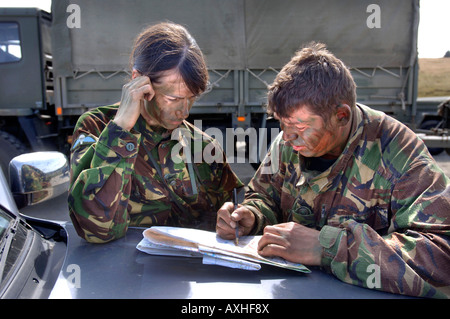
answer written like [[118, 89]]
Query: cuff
[[260, 220], [329, 238]]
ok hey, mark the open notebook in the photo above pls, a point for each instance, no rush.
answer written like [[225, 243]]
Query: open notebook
[[188, 242]]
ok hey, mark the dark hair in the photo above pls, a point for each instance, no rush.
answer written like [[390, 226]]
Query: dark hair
[[166, 46], [315, 78]]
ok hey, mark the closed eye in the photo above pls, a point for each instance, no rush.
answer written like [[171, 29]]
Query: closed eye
[[175, 98], [292, 127]]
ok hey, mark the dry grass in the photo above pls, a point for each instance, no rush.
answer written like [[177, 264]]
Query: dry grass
[[434, 77]]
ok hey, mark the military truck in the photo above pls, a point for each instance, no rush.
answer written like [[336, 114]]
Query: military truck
[[55, 66]]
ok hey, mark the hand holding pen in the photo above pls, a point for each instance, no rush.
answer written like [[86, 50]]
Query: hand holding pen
[[235, 201], [233, 220]]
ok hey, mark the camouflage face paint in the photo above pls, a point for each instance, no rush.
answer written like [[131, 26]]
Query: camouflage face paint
[[309, 135], [172, 101]]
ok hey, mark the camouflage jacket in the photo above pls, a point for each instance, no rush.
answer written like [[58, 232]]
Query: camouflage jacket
[[382, 208], [143, 177]]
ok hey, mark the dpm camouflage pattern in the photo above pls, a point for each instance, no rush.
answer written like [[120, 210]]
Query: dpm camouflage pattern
[[384, 202], [121, 178]]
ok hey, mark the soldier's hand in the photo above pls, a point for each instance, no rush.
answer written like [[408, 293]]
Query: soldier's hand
[[228, 219], [132, 101], [293, 242]]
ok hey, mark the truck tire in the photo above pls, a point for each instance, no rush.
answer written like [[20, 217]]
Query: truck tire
[[11, 147]]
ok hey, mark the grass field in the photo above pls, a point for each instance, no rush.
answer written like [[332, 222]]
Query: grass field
[[434, 77]]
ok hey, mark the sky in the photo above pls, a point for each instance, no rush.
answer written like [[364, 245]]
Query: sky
[[433, 19]]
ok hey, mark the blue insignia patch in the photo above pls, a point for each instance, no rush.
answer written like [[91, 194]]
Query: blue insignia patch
[[83, 140]]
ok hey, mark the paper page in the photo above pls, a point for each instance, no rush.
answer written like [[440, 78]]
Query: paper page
[[230, 262], [208, 257], [209, 242], [148, 247]]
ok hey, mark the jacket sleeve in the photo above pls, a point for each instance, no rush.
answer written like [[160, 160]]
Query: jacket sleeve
[[413, 258], [101, 166]]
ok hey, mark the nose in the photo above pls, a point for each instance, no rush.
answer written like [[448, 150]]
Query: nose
[[287, 136], [183, 111]]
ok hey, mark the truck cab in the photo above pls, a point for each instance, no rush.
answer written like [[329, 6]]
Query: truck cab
[[26, 82]]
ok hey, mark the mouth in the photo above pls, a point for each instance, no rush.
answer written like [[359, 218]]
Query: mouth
[[298, 147], [175, 123]]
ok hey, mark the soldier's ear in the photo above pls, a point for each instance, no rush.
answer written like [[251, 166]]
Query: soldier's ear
[[343, 114]]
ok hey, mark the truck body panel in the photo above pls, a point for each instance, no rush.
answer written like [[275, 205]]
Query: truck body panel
[[245, 42]]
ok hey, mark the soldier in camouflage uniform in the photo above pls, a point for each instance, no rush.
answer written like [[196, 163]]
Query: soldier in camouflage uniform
[[139, 163], [351, 189]]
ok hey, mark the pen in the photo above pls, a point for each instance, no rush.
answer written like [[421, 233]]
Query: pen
[[235, 200]]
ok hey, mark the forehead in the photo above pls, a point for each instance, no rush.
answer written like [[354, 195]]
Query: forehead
[[300, 116], [171, 81]]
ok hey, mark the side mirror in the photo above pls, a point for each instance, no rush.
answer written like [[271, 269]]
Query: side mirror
[[39, 176]]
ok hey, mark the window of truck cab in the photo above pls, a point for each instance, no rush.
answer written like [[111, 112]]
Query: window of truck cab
[[10, 48]]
